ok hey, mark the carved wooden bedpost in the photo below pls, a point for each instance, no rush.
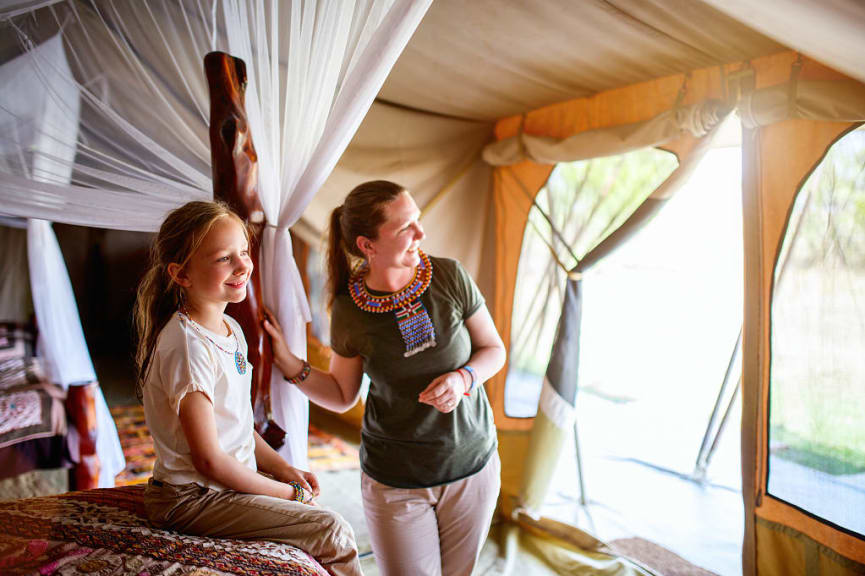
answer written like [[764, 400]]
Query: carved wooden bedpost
[[81, 410], [235, 181]]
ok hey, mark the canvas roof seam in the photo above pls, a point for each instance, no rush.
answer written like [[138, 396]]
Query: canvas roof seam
[[658, 31], [432, 113]]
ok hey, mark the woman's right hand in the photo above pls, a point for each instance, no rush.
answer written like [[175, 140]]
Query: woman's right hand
[[289, 364]]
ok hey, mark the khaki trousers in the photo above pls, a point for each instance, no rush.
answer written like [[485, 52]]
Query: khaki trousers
[[431, 531], [199, 511]]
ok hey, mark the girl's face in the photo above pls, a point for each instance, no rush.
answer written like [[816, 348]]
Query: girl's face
[[218, 271], [398, 237]]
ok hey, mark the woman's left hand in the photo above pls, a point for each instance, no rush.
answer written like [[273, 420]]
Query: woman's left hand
[[445, 392], [289, 364]]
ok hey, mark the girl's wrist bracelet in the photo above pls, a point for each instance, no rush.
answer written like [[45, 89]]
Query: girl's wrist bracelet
[[298, 490], [304, 374]]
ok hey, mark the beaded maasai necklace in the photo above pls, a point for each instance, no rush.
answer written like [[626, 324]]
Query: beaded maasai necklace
[[414, 323], [239, 359]]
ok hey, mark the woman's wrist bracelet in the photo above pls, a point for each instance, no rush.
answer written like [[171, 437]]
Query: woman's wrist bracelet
[[298, 490], [304, 374], [474, 379]]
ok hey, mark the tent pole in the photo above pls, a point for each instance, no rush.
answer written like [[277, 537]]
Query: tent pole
[[723, 423], [702, 460], [579, 465]]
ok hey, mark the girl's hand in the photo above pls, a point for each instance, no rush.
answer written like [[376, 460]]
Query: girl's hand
[[445, 392], [289, 364], [307, 481]]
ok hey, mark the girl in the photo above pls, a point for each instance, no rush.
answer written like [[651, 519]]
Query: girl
[[195, 384], [418, 326]]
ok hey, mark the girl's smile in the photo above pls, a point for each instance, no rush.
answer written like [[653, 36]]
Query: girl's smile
[[218, 271]]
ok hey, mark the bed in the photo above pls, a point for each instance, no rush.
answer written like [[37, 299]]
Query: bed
[[104, 531]]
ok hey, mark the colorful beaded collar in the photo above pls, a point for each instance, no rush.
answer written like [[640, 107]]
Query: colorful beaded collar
[[413, 321]]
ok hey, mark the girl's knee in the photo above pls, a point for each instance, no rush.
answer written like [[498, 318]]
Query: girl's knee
[[338, 527]]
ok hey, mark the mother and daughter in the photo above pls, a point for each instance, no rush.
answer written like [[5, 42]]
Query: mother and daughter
[[415, 324]]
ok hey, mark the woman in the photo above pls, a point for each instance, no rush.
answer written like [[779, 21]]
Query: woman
[[418, 326]]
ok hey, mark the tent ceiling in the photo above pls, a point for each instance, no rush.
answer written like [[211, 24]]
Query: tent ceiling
[[488, 59]]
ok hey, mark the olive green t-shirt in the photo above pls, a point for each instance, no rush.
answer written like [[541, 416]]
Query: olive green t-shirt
[[407, 444]]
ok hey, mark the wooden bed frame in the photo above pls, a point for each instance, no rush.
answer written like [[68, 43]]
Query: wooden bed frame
[[235, 181]]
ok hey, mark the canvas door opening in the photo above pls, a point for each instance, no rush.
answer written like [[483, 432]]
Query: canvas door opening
[[660, 320]]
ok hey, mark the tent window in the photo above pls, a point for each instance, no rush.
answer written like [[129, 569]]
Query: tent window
[[579, 206], [817, 400], [316, 276]]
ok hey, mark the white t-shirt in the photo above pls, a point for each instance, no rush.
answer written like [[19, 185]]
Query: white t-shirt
[[186, 361]]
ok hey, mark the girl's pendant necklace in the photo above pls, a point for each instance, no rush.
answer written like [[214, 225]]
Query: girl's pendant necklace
[[415, 324], [239, 359]]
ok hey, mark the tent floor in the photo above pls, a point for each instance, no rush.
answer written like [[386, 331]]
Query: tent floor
[[627, 498], [341, 492], [702, 524]]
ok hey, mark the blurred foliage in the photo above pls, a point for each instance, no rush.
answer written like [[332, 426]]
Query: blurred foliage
[[817, 400], [580, 205], [829, 216]]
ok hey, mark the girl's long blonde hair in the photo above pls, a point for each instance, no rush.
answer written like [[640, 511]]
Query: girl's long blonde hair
[[159, 296]]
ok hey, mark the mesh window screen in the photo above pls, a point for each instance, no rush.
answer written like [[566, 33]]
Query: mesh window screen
[[817, 386], [317, 276], [580, 205]]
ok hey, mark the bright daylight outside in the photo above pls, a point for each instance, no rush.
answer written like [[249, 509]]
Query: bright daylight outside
[[817, 398], [661, 318]]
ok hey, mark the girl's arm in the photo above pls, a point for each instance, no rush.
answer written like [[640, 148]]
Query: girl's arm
[[199, 426], [337, 390], [488, 356], [270, 462]]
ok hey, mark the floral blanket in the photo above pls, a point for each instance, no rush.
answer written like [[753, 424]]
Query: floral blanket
[[105, 532]]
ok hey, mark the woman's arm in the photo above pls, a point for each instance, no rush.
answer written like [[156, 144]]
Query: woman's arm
[[488, 350], [199, 426], [488, 356], [336, 390]]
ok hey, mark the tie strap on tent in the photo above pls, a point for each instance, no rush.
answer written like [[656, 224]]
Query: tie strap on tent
[[697, 120]]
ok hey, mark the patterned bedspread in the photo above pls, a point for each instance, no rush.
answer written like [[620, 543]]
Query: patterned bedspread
[[30, 406], [104, 532]]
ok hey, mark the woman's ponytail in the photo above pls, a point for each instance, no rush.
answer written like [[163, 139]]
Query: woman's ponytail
[[361, 215], [338, 269]]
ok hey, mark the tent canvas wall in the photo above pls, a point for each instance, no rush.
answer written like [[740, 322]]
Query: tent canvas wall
[[556, 70]]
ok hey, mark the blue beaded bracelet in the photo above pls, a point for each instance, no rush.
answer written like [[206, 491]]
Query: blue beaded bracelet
[[474, 377]]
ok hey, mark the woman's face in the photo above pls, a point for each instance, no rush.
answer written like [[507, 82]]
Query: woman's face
[[398, 237]]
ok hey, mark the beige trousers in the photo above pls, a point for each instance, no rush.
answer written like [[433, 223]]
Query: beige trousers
[[199, 511], [431, 531]]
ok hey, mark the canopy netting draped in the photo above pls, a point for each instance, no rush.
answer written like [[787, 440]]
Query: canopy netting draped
[[41, 134], [142, 148]]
